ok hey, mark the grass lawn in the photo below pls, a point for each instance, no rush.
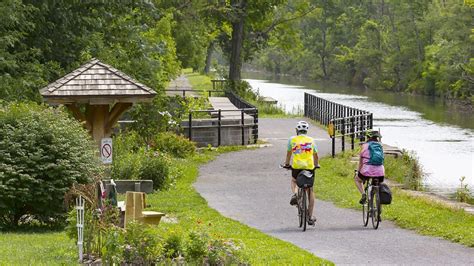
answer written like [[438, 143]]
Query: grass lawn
[[191, 210], [43, 248], [335, 183]]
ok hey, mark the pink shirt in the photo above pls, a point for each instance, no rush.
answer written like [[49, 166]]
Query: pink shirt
[[367, 169]]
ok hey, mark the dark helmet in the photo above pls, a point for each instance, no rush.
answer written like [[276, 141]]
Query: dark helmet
[[373, 134]]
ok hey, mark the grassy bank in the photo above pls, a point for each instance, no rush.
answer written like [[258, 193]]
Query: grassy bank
[[335, 183], [191, 210]]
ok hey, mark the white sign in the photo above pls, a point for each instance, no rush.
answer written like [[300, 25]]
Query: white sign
[[106, 150]]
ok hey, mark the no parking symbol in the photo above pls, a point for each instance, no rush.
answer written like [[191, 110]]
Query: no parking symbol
[[106, 150]]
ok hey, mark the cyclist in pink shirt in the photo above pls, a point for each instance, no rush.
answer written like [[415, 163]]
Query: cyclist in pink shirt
[[367, 170]]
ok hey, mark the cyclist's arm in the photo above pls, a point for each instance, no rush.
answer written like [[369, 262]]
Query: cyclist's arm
[[360, 158], [315, 155], [288, 152], [288, 157]]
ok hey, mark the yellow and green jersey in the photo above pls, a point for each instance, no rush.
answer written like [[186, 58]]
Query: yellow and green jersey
[[303, 148]]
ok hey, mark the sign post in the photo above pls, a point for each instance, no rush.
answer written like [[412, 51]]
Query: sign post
[[106, 150]]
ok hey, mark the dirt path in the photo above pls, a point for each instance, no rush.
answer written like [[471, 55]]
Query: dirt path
[[248, 186], [180, 84]]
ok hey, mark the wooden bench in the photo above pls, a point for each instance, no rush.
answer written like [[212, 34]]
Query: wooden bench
[[134, 205]]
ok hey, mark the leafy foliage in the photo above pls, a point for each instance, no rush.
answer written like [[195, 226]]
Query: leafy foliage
[[175, 145], [156, 167], [43, 153]]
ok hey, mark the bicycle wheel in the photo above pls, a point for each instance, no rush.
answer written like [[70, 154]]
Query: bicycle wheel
[[366, 210], [375, 207], [300, 207], [305, 210]]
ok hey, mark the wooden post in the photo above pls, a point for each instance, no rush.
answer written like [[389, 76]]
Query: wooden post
[[98, 117]]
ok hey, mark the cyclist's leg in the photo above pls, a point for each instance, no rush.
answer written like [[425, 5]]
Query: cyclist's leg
[[294, 174], [359, 183], [294, 188], [359, 180], [311, 202]]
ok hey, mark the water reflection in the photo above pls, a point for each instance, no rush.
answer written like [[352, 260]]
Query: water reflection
[[441, 138]]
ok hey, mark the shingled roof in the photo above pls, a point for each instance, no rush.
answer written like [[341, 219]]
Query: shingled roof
[[96, 82]]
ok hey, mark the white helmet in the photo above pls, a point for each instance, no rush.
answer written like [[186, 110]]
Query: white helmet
[[302, 126]]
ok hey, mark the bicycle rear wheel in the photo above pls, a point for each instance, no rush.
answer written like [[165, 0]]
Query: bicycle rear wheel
[[305, 210], [300, 207], [375, 207]]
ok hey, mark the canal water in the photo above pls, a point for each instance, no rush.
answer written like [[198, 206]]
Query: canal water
[[440, 136]]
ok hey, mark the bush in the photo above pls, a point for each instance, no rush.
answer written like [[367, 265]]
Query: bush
[[405, 170], [127, 165], [177, 146], [156, 168], [43, 153]]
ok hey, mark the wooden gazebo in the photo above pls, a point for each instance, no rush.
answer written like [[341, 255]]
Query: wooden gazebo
[[103, 91]]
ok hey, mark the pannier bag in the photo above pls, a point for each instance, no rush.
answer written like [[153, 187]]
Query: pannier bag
[[385, 194], [305, 179]]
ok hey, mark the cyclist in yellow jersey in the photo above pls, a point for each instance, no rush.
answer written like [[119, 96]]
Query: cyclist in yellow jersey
[[305, 157]]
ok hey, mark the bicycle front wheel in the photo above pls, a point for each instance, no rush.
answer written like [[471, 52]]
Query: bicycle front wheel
[[366, 211], [375, 207]]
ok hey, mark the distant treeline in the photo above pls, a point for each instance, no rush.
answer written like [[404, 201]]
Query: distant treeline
[[421, 46]]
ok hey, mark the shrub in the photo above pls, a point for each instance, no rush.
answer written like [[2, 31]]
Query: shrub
[[127, 165], [463, 193], [405, 170], [173, 246], [137, 245], [43, 153], [175, 145], [125, 143], [156, 168]]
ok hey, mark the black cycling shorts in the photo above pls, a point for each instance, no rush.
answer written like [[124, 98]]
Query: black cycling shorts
[[295, 172], [365, 178]]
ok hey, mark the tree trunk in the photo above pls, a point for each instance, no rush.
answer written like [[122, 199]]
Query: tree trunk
[[323, 53], [210, 49], [237, 41]]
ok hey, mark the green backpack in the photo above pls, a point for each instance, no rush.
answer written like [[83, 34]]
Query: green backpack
[[376, 153]]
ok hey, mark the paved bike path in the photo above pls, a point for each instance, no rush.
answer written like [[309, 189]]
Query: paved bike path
[[248, 186]]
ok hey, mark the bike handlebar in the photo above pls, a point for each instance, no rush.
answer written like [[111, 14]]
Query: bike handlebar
[[289, 167]]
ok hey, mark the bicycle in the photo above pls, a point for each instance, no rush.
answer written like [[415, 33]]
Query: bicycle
[[371, 207], [302, 196]]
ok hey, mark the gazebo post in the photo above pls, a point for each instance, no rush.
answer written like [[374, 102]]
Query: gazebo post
[[98, 117]]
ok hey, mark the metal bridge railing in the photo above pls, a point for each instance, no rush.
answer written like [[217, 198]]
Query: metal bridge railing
[[340, 119]]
